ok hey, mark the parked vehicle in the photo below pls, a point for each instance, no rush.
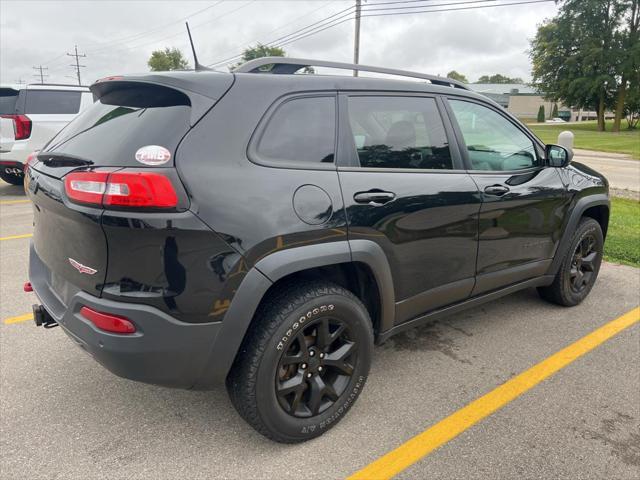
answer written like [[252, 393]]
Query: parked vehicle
[[265, 229], [30, 115], [556, 120]]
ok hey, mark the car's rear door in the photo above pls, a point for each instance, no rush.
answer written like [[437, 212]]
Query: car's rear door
[[523, 201], [405, 188]]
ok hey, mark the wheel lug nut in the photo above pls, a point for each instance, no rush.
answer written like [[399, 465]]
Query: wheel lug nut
[[304, 365], [320, 369], [312, 353], [309, 375], [322, 355]]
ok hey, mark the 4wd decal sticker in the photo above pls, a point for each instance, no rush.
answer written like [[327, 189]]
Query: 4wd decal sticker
[[153, 155]]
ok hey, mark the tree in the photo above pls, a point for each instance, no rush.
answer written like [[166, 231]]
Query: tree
[[541, 116], [167, 59], [577, 56], [628, 43], [554, 111], [457, 76], [259, 51], [499, 78], [632, 103]]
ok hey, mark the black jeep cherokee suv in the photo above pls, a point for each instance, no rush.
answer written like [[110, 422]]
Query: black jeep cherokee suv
[[264, 228]]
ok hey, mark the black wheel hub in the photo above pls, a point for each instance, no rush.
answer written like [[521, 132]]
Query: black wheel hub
[[583, 264], [316, 367]]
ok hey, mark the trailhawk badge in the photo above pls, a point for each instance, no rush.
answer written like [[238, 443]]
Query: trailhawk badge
[[81, 268], [153, 155]]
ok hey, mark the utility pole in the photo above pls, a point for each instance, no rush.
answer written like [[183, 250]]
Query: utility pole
[[41, 73], [77, 66], [356, 40]]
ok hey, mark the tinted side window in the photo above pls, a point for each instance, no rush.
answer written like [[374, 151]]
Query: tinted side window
[[8, 97], [52, 101], [493, 142], [399, 132], [301, 130]]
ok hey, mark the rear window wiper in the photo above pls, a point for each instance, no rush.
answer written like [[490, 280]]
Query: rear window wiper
[[54, 160]]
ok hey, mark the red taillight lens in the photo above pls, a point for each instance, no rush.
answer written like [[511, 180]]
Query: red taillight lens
[[121, 189], [21, 126], [31, 159], [140, 189], [86, 187], [107, 321]]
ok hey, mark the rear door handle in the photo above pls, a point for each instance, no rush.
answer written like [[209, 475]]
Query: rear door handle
[[497, 190], [374, 198]]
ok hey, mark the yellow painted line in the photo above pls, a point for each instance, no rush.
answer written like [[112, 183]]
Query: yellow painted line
[[442, 432], [16, 237], [19, 318], [13, 202]]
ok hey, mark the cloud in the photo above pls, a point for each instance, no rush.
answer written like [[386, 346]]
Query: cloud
[[118, 37]]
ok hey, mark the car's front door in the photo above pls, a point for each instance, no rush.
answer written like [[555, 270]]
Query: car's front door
[[523, 201], [405, 188]]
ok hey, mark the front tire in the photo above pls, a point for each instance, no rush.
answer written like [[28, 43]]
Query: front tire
[[304, 362], [579, 268], [11, 178]]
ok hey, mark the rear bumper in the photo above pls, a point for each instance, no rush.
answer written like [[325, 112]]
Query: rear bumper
[[12, 167], [18, 153], [162, 351]]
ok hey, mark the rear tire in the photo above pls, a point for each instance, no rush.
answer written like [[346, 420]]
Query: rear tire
[[304, 361], [11, 178], [579, 268]]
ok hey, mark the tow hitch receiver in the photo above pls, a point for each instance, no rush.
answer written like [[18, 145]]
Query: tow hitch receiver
[[42, 317]]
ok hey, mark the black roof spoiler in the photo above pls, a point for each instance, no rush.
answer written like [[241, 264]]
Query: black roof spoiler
[[285, 65]]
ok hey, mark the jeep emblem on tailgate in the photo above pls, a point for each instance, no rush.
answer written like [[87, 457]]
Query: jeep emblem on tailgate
[[81, 268]]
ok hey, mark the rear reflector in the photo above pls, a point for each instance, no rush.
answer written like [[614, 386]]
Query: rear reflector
[[27, 287], [108, 322], [21, 126], [121, 189]]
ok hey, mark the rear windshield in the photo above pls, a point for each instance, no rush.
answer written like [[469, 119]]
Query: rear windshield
[[8, 97], [52, 102], [121, 122]]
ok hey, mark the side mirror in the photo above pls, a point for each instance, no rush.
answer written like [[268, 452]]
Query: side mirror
[[558, 156]]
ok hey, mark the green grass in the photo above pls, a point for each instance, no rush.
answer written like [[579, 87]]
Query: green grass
[[588, 138], [623, 238]]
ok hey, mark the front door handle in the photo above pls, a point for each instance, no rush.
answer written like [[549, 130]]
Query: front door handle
[[497, 190], [375, 198]]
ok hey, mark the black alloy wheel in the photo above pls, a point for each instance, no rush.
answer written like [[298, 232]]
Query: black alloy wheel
[[316, 368], [583, 265]]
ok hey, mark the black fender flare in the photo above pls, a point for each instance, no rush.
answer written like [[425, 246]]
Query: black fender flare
[[577, 212], [276, 266]]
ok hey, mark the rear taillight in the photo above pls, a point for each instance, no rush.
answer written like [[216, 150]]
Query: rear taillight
[[107, 321], [121, 189], [21, 126], [31, 159]]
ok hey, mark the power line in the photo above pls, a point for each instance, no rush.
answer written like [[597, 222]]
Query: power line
[[139, 35], [41, 74], [77, 65], [364, 14], [182, 33], [334, 16], [306, 14]]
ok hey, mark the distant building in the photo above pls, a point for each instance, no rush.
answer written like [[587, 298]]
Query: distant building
[[524, 101]]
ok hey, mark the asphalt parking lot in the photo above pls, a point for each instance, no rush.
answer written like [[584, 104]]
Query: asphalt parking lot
[[64, 416]]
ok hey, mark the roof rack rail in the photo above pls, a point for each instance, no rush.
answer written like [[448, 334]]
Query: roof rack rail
[[286, 65]]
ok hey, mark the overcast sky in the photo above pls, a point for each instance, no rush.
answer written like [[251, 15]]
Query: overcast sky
[[119, 36]]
